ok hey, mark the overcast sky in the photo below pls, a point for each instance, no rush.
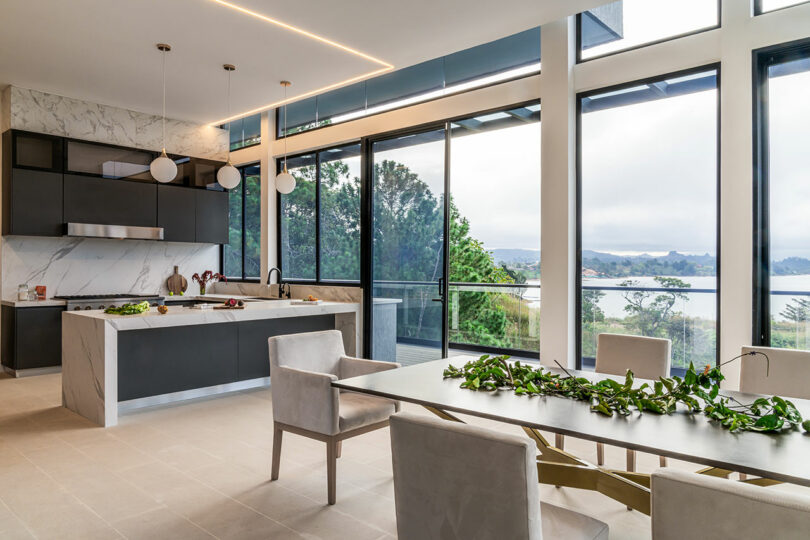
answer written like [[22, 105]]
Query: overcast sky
[[649, 171]]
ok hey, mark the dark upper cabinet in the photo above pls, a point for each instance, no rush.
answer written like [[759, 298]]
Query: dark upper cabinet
[[104, 201], [108, 161], [35, 151], [212, 216], [32, 203], [176, 213]]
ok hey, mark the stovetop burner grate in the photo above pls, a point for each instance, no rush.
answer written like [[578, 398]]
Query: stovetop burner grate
[[104, 296]]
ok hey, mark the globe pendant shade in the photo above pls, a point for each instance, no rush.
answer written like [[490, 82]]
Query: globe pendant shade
[[228, 176], [285, 183], [163, 169]]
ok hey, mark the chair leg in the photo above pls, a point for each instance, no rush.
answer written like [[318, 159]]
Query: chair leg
[[331, 469], [559, 441], [339, 448], [600, 454], [662, 461], [277, 435], [631, 461]]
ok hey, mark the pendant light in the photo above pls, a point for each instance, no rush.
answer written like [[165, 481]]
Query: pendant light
[[228, 176], [285, 182], [162, 168]]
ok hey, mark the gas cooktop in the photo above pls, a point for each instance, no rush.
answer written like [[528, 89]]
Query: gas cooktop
[[105, 296]]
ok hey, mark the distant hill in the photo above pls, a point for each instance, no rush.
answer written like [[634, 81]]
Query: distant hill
[[671, 264]]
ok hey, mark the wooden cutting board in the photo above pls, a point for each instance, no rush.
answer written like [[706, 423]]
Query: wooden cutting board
[[176, 283]]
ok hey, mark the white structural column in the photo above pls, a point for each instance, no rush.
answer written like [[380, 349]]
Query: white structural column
[[736, 188], [558, 192], [269, 193]]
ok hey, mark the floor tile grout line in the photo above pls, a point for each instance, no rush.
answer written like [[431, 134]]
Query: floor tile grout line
[[191, 478], [73, 495], [18, 518]]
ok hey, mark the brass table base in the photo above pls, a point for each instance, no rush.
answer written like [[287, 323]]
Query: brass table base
[[559, 468]]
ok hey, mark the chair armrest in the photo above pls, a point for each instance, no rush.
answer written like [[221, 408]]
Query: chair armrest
[[305, 399], [354, 367]]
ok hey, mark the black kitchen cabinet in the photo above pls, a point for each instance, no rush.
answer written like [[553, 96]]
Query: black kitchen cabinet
[[254, 361], [89, 199], [33, 150], [32, 203], [108, 161], [159, 361], [32, 337], [176, 213], [211, 216]]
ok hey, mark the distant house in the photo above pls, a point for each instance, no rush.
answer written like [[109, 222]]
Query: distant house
[[587, 272]]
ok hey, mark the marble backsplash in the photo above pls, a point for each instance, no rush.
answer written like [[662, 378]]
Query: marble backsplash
[[98, 265], [40, 112]]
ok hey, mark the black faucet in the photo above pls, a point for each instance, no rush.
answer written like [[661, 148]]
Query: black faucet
[[283, 288]]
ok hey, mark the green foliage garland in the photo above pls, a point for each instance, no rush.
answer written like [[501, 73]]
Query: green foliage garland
[[608, 396]]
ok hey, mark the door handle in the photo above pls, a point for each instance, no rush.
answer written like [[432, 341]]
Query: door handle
[[441, 291]]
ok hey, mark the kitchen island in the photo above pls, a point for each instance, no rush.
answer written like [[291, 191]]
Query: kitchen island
[[113, 363]]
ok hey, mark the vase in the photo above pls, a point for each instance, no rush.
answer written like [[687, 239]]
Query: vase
[[202, 289]]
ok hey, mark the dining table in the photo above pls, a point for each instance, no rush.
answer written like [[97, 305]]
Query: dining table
[[763, 458]]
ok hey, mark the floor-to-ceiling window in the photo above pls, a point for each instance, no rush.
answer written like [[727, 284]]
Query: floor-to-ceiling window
[[241, 256], [648, 188], [319, 221], [494, 290], [784, 199]]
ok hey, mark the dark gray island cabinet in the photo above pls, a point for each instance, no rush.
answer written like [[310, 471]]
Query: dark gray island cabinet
[[113, 362]]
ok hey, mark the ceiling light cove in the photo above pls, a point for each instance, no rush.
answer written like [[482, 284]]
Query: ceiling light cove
[[383, 66]]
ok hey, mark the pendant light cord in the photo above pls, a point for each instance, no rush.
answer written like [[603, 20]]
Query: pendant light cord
[[229, 115], [285, 128], [164, 101]]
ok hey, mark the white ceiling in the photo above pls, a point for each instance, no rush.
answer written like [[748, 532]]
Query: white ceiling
[[104, 50]]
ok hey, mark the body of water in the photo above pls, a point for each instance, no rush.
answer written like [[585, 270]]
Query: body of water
[[703, 305]]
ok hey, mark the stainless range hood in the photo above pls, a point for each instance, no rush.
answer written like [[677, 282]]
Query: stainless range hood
[[94, 230]]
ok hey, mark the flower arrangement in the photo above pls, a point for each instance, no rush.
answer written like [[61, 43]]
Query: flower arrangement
[[207, 276]]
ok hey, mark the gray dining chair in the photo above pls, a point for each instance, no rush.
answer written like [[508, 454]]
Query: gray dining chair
[[454, 481], [787, 375], [302, 369], [646, 357], [690, 505]]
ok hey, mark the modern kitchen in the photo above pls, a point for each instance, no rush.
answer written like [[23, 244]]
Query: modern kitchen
[[419, 270]]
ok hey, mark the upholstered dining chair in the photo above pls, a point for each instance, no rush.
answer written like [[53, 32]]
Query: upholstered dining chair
[[302, 368], [453, 481], [787, 375], [646, 357], [690, 505]]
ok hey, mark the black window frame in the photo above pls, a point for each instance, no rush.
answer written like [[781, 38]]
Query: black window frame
[[758, 7], [578, 45], [318, 280], [242, 278], [762, 59], [578, 198]]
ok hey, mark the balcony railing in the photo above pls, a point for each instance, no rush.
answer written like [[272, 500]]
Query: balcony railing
[[686, 316], [790, 319]]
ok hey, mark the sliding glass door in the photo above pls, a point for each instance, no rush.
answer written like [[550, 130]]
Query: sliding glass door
[[408, 252]]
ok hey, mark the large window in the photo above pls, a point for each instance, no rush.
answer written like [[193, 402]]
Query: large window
[[784, 202], [242, 255], [494, 289], [513, 56], [648, 209], [632, 23], [320, 220]]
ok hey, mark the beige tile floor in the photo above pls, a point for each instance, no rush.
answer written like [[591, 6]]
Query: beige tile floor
[[200, 470]]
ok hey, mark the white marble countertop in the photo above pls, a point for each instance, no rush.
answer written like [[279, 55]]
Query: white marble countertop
[[212, 297], [33, 303], [184, 316]]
